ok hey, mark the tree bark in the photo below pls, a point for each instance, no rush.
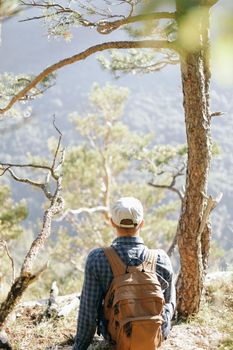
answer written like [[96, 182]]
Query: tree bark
[[194, 243], [199, 156], [15, 294]]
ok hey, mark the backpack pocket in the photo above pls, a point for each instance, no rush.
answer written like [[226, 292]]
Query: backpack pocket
[[140, 333], [146, 306]]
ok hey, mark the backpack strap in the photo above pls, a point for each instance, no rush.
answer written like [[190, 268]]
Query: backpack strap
[[117, 265], [151, 259]]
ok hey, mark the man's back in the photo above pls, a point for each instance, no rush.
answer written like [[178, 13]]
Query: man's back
[[98, 277], [134, 303]]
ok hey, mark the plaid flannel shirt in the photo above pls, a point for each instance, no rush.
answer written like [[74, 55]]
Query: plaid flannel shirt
[[98, 277]]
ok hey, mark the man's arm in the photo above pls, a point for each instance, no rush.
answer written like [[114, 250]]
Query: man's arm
[[164, 269], [90, 299]]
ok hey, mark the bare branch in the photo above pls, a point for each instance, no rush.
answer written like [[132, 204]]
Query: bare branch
[[29, 165], [52, 170], [106, 27], [56, 206], [34, 18], [5, 246], [168, 187], [172, 188], [157, 44], [156, 66], [76, 212], [30, 182], [45, 5], [4, 170], [217, 114], [57, 149]]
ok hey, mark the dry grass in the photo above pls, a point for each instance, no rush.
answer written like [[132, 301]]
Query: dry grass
[[31, 331], [221, 307], [211, 329]]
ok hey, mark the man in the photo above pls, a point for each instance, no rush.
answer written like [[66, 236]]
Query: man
[[127, 220]]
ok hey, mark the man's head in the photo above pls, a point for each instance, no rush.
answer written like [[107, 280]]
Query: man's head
[[127, 216]]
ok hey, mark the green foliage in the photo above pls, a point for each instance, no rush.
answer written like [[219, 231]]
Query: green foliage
[[11, 215], [8, 8], [163, 161], [216, 254], [222, 51], [107, 149], [11, 84], [108, 164], [136, 61], [59, 26]]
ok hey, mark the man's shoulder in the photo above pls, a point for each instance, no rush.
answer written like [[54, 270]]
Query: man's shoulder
[[161, 254], [95, 255], [96, 252], [163, 259]]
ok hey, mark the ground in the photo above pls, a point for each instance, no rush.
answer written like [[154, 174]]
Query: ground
[[210, 329]]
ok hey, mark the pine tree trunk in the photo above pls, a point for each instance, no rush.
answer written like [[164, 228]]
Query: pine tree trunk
[[193, 244]]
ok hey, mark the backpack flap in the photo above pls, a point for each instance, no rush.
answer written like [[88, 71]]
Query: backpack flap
[[133, 304]]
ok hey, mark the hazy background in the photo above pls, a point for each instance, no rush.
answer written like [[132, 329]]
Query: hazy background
[[155, 105]]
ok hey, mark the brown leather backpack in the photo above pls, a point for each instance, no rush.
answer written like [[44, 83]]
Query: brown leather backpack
[[133, 304]]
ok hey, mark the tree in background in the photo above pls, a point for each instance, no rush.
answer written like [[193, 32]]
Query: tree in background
[[111, 161], [186, 32]]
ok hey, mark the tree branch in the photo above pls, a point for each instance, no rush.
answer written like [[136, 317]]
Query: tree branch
[[76, 212], [156, 44], [168, 187], [106, 27], [172, 188], [211, 204], [56, 205], [29, 165], [30, 182]]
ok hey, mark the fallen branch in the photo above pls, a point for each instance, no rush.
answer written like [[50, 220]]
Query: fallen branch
[[61, 300]]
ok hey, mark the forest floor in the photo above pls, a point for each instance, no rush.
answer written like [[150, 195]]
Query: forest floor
[[210, 329]]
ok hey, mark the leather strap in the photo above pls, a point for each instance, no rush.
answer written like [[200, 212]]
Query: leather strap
[[117, 265], [151, 259]]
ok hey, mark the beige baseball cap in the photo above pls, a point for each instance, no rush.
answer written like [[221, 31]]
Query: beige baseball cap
[[127, 208]]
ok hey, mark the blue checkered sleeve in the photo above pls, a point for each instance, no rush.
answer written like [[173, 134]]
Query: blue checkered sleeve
[[91, 297]]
